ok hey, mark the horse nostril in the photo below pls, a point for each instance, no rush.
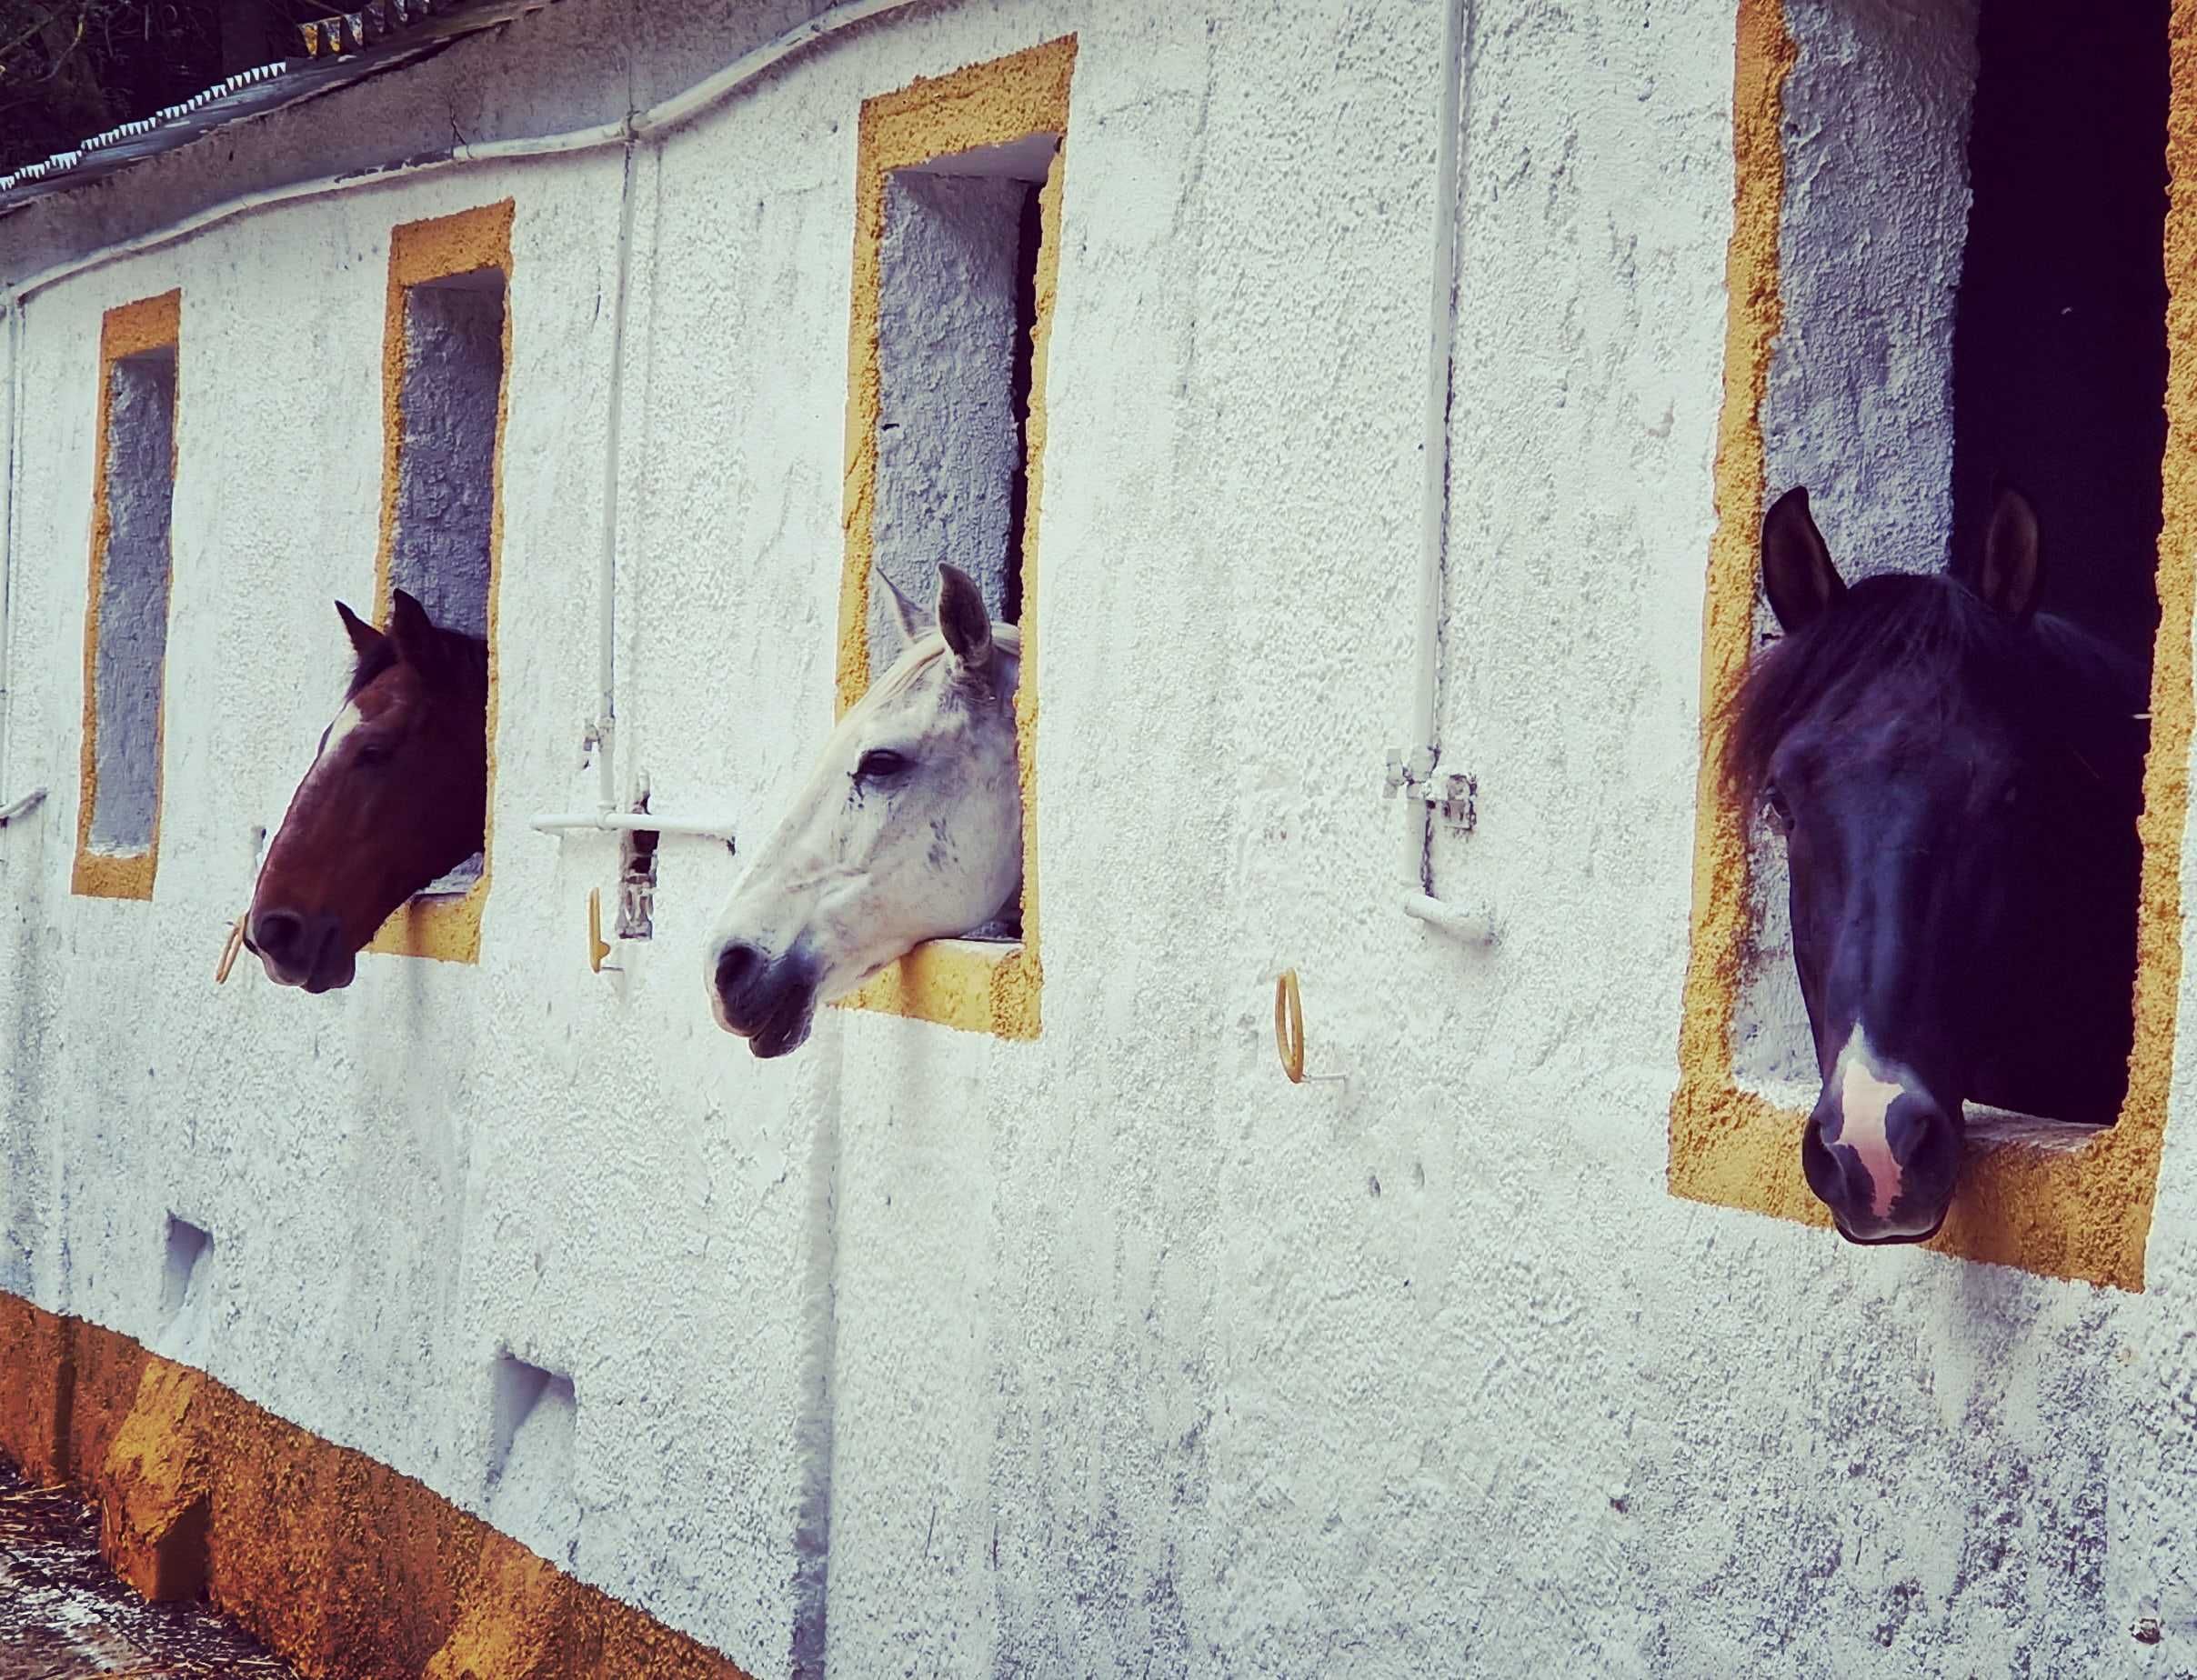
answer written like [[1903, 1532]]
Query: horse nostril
[[277, 933], [737, 962]]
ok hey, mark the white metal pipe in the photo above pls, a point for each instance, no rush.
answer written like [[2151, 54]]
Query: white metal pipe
[[1476, 924], [657, 119], [298, 192], [10, 491], [21, 807], [630, 822], [606, 717], [680, 107], [1434, 446]]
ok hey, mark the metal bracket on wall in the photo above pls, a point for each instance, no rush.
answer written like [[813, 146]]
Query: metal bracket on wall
[[637, 881], [599, 947], [1417, 775]]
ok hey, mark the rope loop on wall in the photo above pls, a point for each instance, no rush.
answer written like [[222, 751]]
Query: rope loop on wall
[[1289, 1026], [229, 951]]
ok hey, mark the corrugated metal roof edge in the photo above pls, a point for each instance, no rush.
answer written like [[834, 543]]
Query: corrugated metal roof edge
[[342, 50]]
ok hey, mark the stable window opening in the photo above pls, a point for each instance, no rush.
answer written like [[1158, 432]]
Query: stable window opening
[[126, 625], [445, 468], [1948, 275], [957, 245], [2043, 365], [957, 322], [446, 359]]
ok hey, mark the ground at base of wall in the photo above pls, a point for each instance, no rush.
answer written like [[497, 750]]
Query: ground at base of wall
[[339, 1564], [63, 1613]]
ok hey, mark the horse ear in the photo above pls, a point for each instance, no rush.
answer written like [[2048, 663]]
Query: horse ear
[[364, 637], [2011, 576], [904, 611], [963, 620], [1798, 574], [412, 631]]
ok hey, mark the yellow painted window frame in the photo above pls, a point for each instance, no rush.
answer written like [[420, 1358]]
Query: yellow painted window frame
[[965, 983], [2083, 1214], [466, 242], [128, 330]]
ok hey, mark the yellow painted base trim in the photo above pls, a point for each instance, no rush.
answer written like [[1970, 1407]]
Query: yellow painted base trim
[[128, 330], [336, 1561], [2082, 1214], [442, 929], [955, 983]]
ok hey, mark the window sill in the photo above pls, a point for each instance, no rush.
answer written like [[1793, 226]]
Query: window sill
[[112, 875], [2054, 1200], [974, 985], [438, 926]]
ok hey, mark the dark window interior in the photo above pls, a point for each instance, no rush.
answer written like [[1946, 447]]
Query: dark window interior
[[446, 464], [2060, 340], [1031, 237]]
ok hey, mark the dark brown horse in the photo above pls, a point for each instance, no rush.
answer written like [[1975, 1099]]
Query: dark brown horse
[[1957, 779], [396, 795]]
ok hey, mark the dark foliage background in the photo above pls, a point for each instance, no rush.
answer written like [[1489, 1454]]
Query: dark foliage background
[[71, 68]]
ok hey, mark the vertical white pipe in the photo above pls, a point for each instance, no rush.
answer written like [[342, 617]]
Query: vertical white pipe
[[606, 717], [1434, 447], [10, 493]]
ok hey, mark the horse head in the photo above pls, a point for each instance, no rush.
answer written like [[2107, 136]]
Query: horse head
[[396, 795], [910, 828], [1955, 780]]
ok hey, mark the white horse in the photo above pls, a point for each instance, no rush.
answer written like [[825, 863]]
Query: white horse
[[909, 829]]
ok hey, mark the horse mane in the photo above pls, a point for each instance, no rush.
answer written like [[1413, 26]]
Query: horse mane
[[369, 666], [2060, 682], [926, 651], [466, 655]]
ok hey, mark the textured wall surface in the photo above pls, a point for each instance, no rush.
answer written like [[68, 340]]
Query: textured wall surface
[[454, 370], [946, 443], [1111, 1352]]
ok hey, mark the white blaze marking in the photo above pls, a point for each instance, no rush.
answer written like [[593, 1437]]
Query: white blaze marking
[[345, 721], [1865, 1101]]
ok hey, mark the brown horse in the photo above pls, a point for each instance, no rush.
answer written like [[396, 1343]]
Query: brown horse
[[396, 795]]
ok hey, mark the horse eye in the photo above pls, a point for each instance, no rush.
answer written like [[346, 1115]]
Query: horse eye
[[877, 765], [371, 753]]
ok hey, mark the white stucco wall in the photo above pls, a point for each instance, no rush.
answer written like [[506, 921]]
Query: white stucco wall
[[1111, 1353]]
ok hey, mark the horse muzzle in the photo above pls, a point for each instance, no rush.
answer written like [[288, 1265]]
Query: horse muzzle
[[301, 948], [1890, 1183], [770, 1001]]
